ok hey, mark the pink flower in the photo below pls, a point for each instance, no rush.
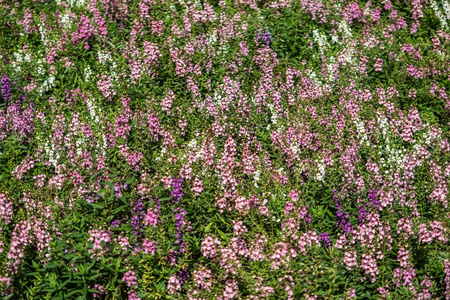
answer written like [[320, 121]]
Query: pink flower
[[6, 209], [149, 247], [378, 65], [130, 278], [173, 284], [350, 260], [203, 278], [198, 187], [166, 103], [369, 265], [151, 218], [209, 247]]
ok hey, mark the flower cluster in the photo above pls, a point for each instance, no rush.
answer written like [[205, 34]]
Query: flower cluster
[[6, 88], [225, 149], [342, 217], [177, 191], [137, 218], [264, 36]]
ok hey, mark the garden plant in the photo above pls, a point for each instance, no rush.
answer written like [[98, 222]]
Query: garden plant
[[224, 149]]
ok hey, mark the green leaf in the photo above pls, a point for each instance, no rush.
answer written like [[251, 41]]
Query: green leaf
[[223, 235], [208, 228], [52, 265], [119, 209], [96, 276], [97, 206]]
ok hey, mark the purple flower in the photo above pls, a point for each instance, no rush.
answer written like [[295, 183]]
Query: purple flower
[[6, 88], [183, 275], [362, 213], [180, 213], [137, 212], [171, 257], [373, 198], [343, 218], [118, 189], [158, 204], [325, 239], [308, 218], [115, 224], [177, 191], [264, 36]]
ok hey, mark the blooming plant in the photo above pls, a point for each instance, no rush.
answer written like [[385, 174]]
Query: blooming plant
[[223, 149]]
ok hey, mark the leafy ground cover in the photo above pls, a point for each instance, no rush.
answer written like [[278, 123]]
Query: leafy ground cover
[[224, 149]]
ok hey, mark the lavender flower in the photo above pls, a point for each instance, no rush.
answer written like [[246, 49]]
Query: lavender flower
[[158, 204], [362, 213], [183, 274], [6, 88], [264, 36], [117, 189], [177, 191], [180, 213], [171, 258], [308, 217], [343, 219], [137, 212], [325, 239], [373, 198], [115, 224]]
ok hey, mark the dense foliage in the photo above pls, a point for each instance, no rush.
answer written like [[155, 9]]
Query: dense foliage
[[224, 149]]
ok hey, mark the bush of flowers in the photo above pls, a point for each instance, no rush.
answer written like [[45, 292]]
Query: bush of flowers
[[219, 149]]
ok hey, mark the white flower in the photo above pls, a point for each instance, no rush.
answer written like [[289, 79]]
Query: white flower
[[65, 21], [274, 117], [87, 72], [92, 110], [76, 3], [321, 40], [27, 57], [295, 148], [343, 27], [446, 7], [361, 131], [257, 178], [39, 67], [104, 57], [442, 18], [43, 33], [320, 170], [330, 70], [192, 144]]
